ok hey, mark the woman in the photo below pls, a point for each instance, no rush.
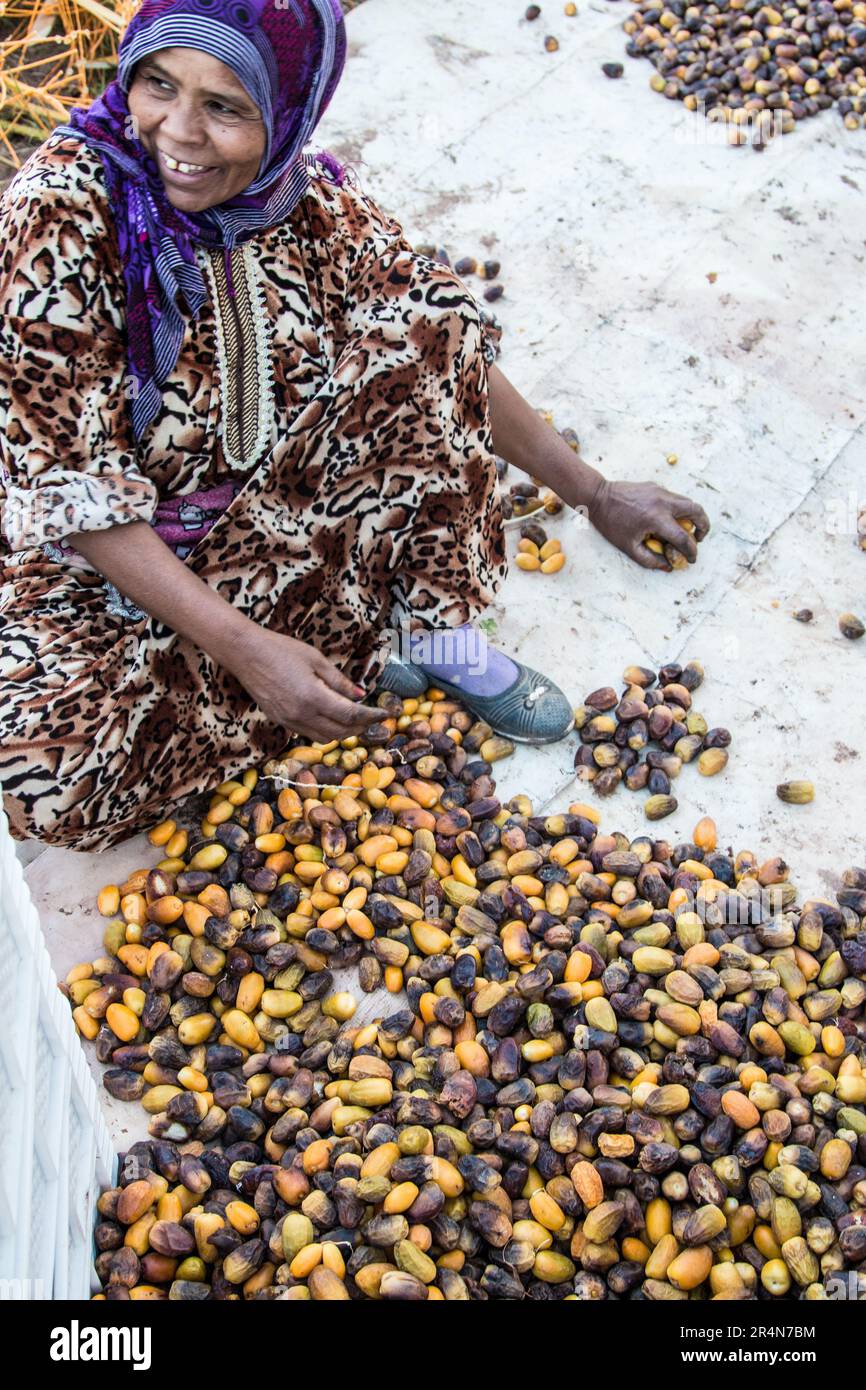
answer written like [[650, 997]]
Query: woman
[[244, 432]]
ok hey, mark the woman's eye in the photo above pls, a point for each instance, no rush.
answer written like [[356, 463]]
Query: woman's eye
[[163, 88]]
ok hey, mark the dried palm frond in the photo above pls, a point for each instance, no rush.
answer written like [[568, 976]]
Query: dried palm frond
[[54, 54]]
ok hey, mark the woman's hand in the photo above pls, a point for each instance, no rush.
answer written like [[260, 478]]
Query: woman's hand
[[299, 689], [627, 513], [290, 681]]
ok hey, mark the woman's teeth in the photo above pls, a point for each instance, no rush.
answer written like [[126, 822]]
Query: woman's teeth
[[180, 167]]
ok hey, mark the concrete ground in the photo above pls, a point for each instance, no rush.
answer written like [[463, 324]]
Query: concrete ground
[[665, 294]]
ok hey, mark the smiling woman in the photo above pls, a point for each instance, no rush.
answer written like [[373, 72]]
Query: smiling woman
[[199, 125], [245, 432]]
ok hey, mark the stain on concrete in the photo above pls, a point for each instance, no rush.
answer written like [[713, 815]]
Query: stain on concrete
[[452, 55]]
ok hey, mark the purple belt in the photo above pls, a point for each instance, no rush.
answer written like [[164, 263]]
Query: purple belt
[[181, 522], [184, 521]]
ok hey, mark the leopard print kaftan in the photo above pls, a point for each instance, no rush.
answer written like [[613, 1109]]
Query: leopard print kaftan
[[323, 459]]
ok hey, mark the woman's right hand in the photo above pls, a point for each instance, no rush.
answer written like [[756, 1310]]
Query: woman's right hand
[[298, 688], [291, 682]]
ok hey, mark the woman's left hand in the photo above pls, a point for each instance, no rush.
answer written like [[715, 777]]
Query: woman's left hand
[[627, 513]]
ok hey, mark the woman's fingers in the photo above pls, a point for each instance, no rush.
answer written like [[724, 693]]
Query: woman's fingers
[[693, 511], [337, 701], [668, 529], [334, 678], [345, 715], [326, 730], [640, 553]]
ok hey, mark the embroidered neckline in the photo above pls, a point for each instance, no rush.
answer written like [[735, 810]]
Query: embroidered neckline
[[237, 387]]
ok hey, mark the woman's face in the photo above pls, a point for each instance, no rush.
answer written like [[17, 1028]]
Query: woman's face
[[193, 112]]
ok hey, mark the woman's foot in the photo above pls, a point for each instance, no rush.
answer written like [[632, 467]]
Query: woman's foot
[[513, 699], [463, 656], [409, 682], [473, 665]]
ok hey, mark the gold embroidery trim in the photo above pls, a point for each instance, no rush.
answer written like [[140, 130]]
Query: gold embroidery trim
[[244, 356]]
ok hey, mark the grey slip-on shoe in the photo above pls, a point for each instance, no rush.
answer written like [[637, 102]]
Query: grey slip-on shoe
[[533, 710], [409, 682]]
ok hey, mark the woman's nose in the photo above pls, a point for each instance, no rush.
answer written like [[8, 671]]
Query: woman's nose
[[182, 123]]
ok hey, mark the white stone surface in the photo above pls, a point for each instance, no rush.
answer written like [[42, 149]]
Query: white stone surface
[[609, 207]]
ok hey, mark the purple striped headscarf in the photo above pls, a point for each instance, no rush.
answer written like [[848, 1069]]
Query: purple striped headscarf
[[289, 55]]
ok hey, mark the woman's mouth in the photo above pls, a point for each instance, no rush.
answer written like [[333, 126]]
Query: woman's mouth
[[180, 171]]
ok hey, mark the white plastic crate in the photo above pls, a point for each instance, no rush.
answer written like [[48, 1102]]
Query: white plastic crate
[[55, 1150]]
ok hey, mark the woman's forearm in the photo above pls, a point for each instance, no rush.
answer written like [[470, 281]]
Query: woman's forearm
[[523, 438], [627, 514], [139, 563]]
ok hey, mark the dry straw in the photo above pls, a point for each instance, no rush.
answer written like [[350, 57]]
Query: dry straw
[[54, 54]]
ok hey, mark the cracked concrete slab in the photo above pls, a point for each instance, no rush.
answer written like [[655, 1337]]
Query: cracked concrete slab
[[610, 209]]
